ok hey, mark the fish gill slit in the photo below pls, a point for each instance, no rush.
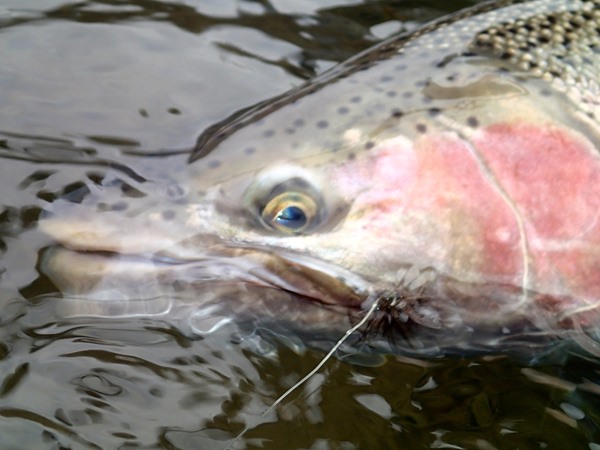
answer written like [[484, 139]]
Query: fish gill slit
[[373, 298], [466, 134]]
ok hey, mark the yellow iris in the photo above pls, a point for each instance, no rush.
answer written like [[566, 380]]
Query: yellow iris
[[290, 212]]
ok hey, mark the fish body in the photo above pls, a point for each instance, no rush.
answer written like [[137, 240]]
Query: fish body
[[453, 171]]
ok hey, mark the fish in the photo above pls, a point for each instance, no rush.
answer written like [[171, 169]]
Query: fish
[[451, 175]]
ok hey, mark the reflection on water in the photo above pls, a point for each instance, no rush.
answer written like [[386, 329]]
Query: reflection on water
[[89, 86]]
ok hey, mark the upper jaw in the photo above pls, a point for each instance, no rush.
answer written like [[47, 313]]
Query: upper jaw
[[79, 265]]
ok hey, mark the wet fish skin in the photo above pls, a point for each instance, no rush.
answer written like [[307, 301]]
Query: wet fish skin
[[551, 46], [458, 165], [555, 42]]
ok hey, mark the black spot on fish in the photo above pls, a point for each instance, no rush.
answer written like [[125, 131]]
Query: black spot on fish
[[472, 122], [391, 94], [174, 111], [369, 145], [299, 122], [290, 131], [343, 110], [544, 39], [120, 206], [269, 133], [546, 93], [396, 113], [386, 79], [351, 156], [322, 124], [214, 163], [433, 112], [356, 99], [401, 67], [407, 94], [168, 214], [249, 150], [421, 128]]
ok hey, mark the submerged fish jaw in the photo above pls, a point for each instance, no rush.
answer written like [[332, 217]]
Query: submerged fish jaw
[[86, 272], [304, 275]]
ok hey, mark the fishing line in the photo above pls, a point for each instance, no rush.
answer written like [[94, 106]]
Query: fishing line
[[308, 375]]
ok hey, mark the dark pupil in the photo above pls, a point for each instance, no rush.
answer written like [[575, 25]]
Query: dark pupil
[[291, 217]]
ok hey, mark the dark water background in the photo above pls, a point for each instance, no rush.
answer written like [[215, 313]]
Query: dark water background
[[87, 84]]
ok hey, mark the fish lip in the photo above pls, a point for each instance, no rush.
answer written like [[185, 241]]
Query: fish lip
[[304, 276]]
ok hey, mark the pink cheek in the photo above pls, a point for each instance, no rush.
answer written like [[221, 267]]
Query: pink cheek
[[550, 173], [380, 179], [432, 197]]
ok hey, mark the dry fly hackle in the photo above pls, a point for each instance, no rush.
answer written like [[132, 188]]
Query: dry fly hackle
[[401, 316]]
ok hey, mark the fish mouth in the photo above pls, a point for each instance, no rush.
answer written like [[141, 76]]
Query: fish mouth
[[101, 283]]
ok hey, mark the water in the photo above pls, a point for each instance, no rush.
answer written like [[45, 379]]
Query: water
[[87, 85]]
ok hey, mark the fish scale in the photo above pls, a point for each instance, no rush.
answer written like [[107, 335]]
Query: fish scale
[[453, 171]]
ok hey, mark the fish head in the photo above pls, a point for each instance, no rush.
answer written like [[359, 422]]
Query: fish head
[[420, 172]]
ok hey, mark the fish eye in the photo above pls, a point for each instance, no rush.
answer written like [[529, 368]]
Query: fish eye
[[291, 201], [290, 212]]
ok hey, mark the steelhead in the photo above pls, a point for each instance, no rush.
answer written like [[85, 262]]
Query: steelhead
[[452, 174]]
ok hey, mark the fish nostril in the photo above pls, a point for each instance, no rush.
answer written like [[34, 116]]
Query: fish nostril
[[175, 191]]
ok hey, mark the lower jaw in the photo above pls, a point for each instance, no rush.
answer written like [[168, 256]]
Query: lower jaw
[[93, 284]]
